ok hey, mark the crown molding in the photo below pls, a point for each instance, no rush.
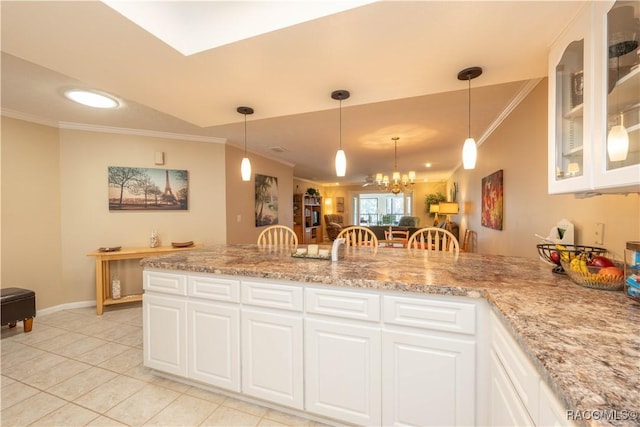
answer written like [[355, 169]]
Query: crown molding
[[5, 112]]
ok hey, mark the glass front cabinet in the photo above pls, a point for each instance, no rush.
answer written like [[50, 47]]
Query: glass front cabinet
[[594, 101]]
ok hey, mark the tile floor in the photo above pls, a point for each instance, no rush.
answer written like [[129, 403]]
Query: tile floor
[[79, 369]]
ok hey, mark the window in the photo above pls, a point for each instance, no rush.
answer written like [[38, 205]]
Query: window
[[380, 208]]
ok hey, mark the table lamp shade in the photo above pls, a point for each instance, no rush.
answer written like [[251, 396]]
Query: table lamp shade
[[448, 208], [434, 208]]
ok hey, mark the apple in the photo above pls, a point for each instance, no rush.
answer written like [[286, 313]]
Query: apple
[[555, 257], [600, 261], [611, 271]]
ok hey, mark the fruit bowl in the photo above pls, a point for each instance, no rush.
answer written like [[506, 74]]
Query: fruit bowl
[[591, 277], [547, 250]]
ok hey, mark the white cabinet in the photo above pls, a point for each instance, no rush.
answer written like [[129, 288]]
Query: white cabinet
[[214, 344], [272, 352], [506, 407], [428, 362], [342, 370], [588, 92], [518, 395], [165, 333]]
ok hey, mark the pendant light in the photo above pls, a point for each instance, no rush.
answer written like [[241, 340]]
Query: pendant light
[[341, 158], [469, 149], [618, 138], [245, 166]]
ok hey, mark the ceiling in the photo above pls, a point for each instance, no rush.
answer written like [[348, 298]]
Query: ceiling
[[398, 59]]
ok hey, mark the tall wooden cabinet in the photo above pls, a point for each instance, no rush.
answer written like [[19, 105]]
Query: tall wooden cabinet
[[307, 218]]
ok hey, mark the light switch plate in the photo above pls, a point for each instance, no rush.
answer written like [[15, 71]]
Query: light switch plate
[[598, 233]]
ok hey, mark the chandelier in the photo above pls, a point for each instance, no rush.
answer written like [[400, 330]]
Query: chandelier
[[399, 183]]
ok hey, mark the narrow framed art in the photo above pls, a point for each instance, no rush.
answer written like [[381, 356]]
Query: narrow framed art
[[266, 200], [492, 200]]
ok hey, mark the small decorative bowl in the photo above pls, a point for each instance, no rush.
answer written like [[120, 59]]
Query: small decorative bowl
[[592, 279]]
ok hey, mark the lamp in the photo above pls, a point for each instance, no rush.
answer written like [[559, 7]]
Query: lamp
[[448, 209], [245, 166], [397, 184], [341, 158], [434, 209], [469, 149], [618, 138]]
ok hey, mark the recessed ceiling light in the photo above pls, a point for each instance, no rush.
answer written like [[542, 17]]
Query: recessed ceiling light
[[92, 99], [428, 165]]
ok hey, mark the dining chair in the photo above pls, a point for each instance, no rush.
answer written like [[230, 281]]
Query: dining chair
[[466, 241], [434, 239], [397, 236], [278, 236], [359, 236]]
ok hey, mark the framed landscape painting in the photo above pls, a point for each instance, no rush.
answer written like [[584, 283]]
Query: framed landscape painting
[[492, 200], [133, 189], [266, 201]]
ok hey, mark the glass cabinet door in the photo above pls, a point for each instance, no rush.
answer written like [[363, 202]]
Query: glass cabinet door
[[569, 112], [622, 82]]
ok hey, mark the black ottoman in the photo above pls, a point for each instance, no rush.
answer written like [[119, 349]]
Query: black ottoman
[[17, 304]]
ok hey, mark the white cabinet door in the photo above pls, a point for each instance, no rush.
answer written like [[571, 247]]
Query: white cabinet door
[[506, 407], [342, 371], [551, 412], [214, 344], [427, 380], [272, 356], [164, 333]]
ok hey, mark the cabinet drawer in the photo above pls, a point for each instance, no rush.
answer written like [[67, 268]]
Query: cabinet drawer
[[351, 305], [521, 372], [433, 314], [214, 288], [264, 294], [167, 283]]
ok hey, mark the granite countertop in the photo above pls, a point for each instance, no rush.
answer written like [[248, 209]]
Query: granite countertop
[[584, 342]]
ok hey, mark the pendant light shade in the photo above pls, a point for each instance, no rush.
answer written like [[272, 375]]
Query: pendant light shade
[[341, 157], [469, 154], [469, 149], [245, 166], [341, 163], [618, 143]]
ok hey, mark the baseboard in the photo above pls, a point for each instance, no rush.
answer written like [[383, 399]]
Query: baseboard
[[66, 306]]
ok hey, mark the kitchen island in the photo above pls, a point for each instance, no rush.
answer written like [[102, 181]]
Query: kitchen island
[[583, 343]]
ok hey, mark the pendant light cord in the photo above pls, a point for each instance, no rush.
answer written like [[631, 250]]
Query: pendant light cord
[[245, 135], [469, 79], [341, 123]]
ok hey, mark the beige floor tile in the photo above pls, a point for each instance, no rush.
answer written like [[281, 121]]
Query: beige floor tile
[[142, 405], [225, 416], [38, 333], [82, 383], [286, 419], [266, 422], [102, 353], [15, 392], [250, 408], [55, 344], [109, 394], [40, 364], [142, 373], [62, 319], [68, 415], [206, 395], [103, 421], [170, 384], [131, 315], [31, 409], [10, 345], [81, 346], [126, 360], [118, 331], [133, 339], [60, 372], [14, 359], [4, 380], [184, 411]]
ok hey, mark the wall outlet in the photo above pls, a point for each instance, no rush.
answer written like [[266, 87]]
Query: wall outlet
[[598, 233], [239, 218]]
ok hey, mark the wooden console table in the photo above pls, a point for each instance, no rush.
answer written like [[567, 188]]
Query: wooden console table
[[103, 271]]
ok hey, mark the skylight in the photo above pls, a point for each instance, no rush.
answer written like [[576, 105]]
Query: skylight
[[195, 26]]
